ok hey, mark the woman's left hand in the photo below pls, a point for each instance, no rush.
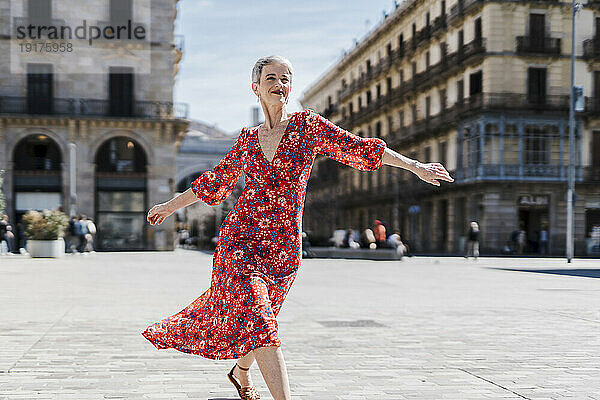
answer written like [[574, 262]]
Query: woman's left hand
[[159, 213], [431, 172]]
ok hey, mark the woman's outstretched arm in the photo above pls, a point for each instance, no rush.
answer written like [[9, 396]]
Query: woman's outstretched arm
[[160, 212], [430, 172]]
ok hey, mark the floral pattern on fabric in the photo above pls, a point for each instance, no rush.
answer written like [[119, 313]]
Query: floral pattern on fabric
[[259, 249]]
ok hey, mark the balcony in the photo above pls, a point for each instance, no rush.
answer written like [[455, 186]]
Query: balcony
[[93, 108], [591, 48], [424, 79], [459, 10], [592, 174], [330, 110], [529, 45], [439, 24], [592, 106], [529, 172]]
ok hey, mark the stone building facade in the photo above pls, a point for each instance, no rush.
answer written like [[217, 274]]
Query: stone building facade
[[94, 131], [481, 86], [201, 150]]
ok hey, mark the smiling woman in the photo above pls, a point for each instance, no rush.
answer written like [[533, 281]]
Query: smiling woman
[[259, 250]]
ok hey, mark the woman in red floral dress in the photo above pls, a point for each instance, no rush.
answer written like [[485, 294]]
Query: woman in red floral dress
[[259, 248]]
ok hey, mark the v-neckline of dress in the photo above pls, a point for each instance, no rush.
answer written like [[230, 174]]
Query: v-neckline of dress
[[275, 155]]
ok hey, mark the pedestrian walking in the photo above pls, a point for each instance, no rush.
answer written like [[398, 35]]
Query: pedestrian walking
[[259, 249], [544, 240], [473, 241], [3, 242], [90, 236], [83, 233], [521, 241]]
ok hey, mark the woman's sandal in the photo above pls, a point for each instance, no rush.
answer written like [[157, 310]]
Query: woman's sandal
[[245, 392]]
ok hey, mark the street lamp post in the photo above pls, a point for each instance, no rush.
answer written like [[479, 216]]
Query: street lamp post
[[571, 173]]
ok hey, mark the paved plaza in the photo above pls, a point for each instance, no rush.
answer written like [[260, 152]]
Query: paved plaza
[[423, 328]]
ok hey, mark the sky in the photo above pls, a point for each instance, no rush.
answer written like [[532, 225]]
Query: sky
[[224, 38]]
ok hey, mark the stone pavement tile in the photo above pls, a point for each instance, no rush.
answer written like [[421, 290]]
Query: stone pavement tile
[[447, 330]]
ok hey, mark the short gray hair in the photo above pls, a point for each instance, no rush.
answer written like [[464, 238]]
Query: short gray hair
[[258, 67]]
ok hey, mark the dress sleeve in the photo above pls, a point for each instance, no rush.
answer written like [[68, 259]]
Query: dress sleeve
[[365, 154], [214, 186]]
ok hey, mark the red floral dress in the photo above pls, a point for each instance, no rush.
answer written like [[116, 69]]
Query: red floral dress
[[259, 248]]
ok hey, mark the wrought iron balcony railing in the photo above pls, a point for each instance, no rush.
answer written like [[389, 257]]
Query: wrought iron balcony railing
[[542, 45], [591, 48], [93, 107]]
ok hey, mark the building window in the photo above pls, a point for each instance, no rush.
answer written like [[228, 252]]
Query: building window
[[427, 60], [596, 149], [537, 31], [471, 151], [427, 19], [401, 118], [414, 69], [427, 154], [389, 50], [460, 91], [401, 76], [443, 12], [443, 100], [475, 80], [478, 33], [121, 94], [378, 129], [378, 88], [351, 107], [536, 145], [39, 12], [388, 82], [368, 66], [536, 85], [443, 150], [40, 89], [121, 11], [369, 96], [414, 113], [359, 102], [461, 40], [427, 106]]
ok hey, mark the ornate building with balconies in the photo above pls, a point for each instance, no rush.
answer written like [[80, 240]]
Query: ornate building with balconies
[[481, 86], [88, 124]]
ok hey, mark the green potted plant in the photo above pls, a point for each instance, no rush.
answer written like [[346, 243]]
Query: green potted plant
[[45, 231]]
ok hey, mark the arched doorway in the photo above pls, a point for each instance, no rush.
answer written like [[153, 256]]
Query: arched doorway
[[37, 161], [121, 199]]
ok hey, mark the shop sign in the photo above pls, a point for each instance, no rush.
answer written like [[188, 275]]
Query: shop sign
[[534, 200]]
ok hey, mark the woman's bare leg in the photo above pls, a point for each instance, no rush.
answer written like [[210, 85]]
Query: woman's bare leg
[[272, 366], [244, 362]]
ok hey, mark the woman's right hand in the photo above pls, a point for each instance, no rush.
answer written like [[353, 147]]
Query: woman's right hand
[[159, 213]]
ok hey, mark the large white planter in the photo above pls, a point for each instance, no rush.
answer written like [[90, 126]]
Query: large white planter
[[46, 248]]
